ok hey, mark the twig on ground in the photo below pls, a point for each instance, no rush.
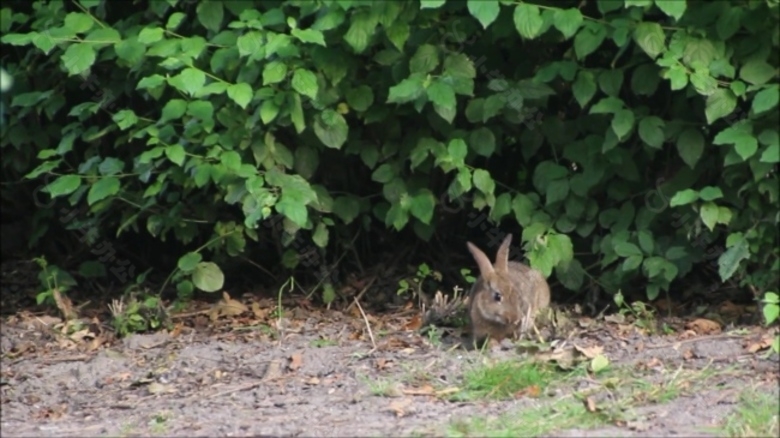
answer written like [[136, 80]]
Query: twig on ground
[[368, 326]]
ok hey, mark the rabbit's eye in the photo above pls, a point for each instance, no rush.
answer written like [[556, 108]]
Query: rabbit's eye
[[497, 296]]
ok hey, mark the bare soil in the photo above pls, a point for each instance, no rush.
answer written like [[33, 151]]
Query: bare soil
[[324, 376]]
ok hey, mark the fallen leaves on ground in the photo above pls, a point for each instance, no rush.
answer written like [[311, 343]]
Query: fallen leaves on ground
[[296, 360], [703, 326]]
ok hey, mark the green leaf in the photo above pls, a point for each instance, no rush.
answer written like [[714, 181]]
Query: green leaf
[[210, 15], [78, 58], [422, 205], [710, 193], [623, 122], [174, 20], [64, 185], [568, 21], [360, 98], [274, 72], [650, 37], [459, 65], [709, 214], [588, 39], [241, 94], [557, 191], [482, 141], [457, 149], [406, 91], [627, 249], [729, 261], [483, 181], [188, 262], [684, 197], [528, 20], [251, 45], [651, 131], [442, 94], [584, 88], [766, 99], [674, 9], [296, 112], [294, 210], [611, 81], [678, 77], [305, 82], [425, 59], [174, 109], [361, 29], [309, 36], [571, 275], [607, 105], [207, 275], [125, 119], [690, 146], [719, 104], [150, 35], [78, 22], [191, 80], [331, 128], [384, 173], [268, 111], [486, 11], [431, 4], [103, 188], [632, 262], [347, 208], [771, 154], [398, 34], [757, 72], [502, 206], [111, 166], [321, 235], [176, 154], [740, 135]]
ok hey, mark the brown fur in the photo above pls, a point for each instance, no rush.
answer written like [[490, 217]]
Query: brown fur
[[523, 291]]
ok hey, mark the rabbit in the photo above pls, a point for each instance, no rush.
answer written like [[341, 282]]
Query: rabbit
[[504, 300]]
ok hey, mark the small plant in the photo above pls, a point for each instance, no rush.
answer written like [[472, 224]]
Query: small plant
[[433, 333], [644, 316], [771, 313], [137, 316], [52, 278], [413, 285], [466, 273]]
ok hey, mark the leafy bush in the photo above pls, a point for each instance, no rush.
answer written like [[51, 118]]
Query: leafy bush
[[639, 135]]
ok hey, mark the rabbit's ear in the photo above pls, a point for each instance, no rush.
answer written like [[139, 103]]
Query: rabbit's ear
[[485, 267], [502, 256]]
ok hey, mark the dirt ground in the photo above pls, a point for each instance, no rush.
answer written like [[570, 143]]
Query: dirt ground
[[331, 376]]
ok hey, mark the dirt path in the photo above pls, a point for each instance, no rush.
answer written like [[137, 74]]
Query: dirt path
[[323, 379]]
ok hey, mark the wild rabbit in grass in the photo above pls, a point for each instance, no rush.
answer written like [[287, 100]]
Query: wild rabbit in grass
[[504, 300]]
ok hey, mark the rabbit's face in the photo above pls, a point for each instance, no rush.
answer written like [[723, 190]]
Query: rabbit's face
[[496, 300]]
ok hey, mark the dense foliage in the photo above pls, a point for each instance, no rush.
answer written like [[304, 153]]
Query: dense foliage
[[633, 142]]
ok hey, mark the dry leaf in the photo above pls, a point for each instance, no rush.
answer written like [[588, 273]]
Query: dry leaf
[[447, 391], [590, 352], [687, 354], [399, 406], [532, 391], [159, 388], [423, 390], [617, 318], [273, 370], [382, 363], [703, 326], [414, 323], [313, 381], [761, 344], [296, 360], [590, 404]]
